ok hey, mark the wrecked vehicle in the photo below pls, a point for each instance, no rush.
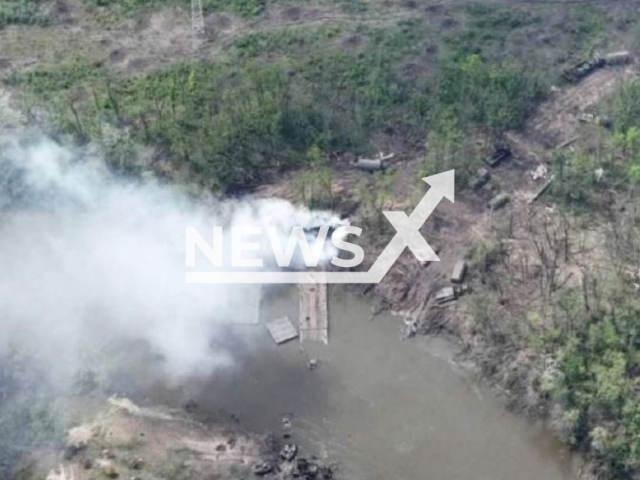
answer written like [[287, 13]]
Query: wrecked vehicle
[[289, 452], [582, 69], [499, 154], [446, 295], [374, 164], [459, 271], [603, 121], [370, 165], [498, 201], [262, 468]]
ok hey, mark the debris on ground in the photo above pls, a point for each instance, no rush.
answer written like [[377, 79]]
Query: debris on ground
[[301, 465], [313, 363], [598, 174], [326, 472], [286, 423], [541, 190], [60, 473], [568, 142], [541, 171], [73, 449], [108, 468], [461, 290], [190, 406], [307, 469], [106, 453], [410, 328], [499, 201], [479, 179], [604, 121]]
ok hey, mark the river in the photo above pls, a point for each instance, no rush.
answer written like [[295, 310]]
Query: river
[[380, 406]]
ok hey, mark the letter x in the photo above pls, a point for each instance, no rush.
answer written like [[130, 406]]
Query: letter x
[[408, 229]]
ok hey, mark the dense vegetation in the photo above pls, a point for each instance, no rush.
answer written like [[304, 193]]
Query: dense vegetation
[[244, 8], [570, 351], [27, 421], [22, 12], [597, 386], [596, 334], [613, 145], [232, 122], [579, 342]]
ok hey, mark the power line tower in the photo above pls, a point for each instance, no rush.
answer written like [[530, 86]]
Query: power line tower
[[197, 23]]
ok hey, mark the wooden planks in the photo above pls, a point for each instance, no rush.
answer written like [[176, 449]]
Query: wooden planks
[[314, 319], [281, 330]]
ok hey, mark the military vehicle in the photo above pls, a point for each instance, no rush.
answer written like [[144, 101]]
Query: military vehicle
[[602, 120], [370, 165], [374, 164], [498, 201], [582, 69], [459, 271], [445, 295], [498, 155]]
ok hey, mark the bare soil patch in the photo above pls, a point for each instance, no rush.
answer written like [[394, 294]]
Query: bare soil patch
[[125, 440]]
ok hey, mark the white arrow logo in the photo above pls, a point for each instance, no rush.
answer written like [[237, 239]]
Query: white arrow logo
[[408, 235]]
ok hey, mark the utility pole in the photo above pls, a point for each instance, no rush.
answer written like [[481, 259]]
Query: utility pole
[[197, 23]]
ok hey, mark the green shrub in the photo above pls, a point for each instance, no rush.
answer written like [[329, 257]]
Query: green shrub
[[244, 8], [231, 123], [627, 106], [598, 382], [492, 97], [22, 12]]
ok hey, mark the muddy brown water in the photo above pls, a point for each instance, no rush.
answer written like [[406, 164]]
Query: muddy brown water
[[381, 407]]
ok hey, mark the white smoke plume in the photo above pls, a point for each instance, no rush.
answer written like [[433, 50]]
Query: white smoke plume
[[86, 257]]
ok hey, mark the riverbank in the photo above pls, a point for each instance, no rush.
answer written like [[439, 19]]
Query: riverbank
[[377, 405], [537, 271]]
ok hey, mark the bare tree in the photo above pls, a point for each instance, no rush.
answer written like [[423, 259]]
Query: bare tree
[[551, 242]]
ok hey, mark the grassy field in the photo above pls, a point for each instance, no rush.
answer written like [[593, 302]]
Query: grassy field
[[278, 92]]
